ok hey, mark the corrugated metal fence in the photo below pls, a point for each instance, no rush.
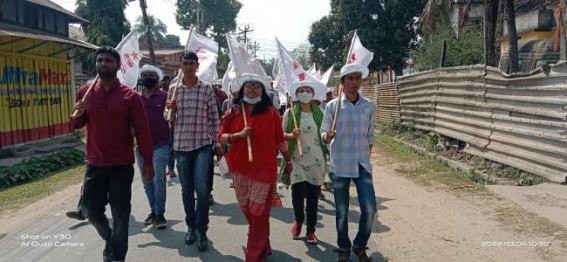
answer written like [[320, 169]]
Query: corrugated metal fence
[[519, 121]]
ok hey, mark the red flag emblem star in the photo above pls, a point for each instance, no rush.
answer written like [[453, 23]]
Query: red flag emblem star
[[352, 58], [134, 55], [299, 70]]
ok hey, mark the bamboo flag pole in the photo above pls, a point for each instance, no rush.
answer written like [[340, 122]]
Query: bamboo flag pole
[[335, 117], [294, 124], [85, 97], [248, 141], [169, 115]]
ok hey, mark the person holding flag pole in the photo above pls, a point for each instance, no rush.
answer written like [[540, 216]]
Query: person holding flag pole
[[254, 181], [112, 111], [350, 136], [311, 164]]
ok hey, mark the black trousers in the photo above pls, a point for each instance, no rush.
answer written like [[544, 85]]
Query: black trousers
[[109, 185], [305, 192]]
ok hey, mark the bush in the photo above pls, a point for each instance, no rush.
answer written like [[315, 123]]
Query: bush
[[34, 167], [6, 153]]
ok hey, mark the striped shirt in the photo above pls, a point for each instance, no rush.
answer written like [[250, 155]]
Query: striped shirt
[[355, 134], [196, 118]]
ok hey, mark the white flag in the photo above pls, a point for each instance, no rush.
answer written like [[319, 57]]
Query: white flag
[[357, 54], [243, 62], [228, 78], [291, 71], [207, 51], [129, 59], [327, 75]]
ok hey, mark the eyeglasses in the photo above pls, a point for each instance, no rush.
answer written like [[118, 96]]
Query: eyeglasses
[[251, 85]]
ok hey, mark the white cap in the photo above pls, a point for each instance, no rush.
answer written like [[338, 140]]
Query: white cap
[[354, 68], [250, 77], [151, 68], [297, 85]]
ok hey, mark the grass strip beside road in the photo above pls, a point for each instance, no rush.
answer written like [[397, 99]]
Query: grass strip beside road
[[19, 196], [423, 169]]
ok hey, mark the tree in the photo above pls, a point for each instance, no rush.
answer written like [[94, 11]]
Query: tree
[[157, 27], [466, 50], [214, 18], [268, 65], [107, 21], [513, 35], [328, 41], [437, 9], [301, 54], [386, 27], [171, 41], [107, 24], [491, 19]]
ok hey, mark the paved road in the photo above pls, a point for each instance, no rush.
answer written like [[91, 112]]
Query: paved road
[[227, 232]]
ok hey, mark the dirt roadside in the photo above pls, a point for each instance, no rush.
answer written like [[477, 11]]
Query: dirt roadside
[[436, 223]]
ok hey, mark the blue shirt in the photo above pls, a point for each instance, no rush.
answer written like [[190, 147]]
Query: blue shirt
[[354, 135]]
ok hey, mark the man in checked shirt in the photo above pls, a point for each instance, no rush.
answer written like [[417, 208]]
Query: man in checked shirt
[[196, 126]]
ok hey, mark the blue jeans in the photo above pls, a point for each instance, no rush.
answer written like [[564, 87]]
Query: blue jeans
[[170, 158], [112, 185], [193, 168], [367, 202], [156, 190]]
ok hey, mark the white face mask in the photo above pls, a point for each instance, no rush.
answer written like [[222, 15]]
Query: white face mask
[[305, 97], [252, 100]]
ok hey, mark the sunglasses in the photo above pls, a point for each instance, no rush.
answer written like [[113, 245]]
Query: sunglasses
[[250, 85]]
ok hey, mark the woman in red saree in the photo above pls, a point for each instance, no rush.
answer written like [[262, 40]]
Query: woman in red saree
[[255, 181]]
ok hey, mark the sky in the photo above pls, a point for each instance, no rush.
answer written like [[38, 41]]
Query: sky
[[288, 20]]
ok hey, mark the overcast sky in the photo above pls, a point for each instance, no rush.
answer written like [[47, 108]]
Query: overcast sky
[[289, 20]]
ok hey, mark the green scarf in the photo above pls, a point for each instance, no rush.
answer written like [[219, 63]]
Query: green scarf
[[292, 144]]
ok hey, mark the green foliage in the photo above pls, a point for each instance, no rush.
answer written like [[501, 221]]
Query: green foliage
[[34, 167], [328, 40], [219, 17], [386, 27], [107, 24], [467, 50], [431, 139], [6, 153], [157, 27], [107, 21], [171, 41]]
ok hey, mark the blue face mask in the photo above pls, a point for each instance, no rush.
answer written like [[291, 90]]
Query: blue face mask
[[252, 100]]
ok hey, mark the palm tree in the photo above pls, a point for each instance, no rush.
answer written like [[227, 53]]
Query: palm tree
[[157, 28]]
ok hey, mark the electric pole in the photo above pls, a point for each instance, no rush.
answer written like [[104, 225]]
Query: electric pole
[[245, 30], [254, 47], [148, 31]]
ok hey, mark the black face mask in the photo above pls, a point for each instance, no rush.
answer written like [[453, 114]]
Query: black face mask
[[149, 83]]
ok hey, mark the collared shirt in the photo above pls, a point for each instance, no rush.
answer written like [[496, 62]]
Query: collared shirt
[[154, 106], [196, 118], [354, 135], [110, 117]]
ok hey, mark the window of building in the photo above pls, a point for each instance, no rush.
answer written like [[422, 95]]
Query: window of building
[[49, 20], [9, 10], [61, 24], [31, 17]]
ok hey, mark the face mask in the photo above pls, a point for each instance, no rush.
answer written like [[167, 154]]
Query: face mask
[[304, 97], [149, 83], [252, 100]]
